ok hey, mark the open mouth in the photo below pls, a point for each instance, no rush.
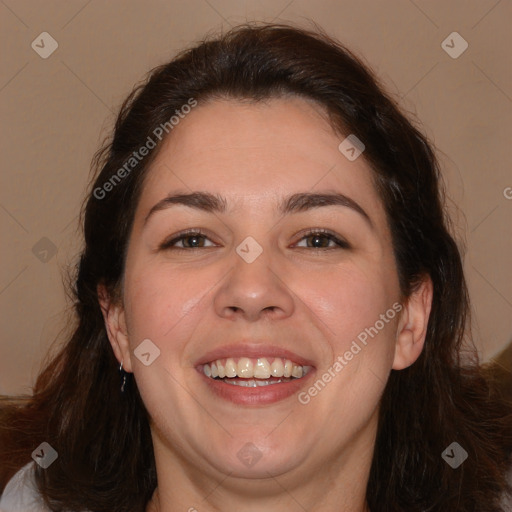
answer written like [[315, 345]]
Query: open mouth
[[254, 372]]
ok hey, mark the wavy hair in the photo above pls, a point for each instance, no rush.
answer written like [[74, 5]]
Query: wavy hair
[[106, 461]]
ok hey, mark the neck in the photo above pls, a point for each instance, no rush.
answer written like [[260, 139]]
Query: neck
[[154, 506]]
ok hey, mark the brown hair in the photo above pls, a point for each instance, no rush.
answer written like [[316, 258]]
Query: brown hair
[[106, 460]]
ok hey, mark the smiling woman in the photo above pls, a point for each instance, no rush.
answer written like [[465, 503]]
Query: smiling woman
[[277, 283]]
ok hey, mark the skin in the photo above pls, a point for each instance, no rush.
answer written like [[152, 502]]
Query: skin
[[315, 302]]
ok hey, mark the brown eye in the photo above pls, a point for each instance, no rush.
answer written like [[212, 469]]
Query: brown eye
[[318, 241], [192, 240], [321, 240]]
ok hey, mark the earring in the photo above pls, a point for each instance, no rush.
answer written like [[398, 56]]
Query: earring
[[123, 374]]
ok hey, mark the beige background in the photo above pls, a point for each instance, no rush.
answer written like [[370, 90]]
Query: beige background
[[55, 112]]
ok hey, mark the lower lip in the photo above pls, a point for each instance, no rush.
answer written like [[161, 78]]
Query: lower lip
[[262, 395]]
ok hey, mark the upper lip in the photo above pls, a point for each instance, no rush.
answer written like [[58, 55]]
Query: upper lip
[[253, 350]]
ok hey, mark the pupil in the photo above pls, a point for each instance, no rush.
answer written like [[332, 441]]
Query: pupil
[[194, 241], [318, 241]]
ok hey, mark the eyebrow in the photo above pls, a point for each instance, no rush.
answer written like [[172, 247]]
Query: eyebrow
[[309, 201], [203, 201], [301, 202]]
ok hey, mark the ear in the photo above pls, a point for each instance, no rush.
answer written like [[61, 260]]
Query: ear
[[115, 324], [412, 327]]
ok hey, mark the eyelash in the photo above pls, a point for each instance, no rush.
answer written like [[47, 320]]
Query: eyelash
[[341, 244], [189, 233]]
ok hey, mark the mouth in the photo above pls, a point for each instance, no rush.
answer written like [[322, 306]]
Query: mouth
[[254, 372], [255, 379]]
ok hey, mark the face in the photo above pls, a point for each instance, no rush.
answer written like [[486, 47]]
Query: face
[[258, 244]]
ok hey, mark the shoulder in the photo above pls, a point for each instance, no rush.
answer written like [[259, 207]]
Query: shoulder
[[20, 494]]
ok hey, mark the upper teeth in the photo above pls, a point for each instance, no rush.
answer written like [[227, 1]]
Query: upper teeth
[[259, 368]]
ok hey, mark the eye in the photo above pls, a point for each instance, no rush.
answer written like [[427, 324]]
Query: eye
[[321, 239], [193, 239]]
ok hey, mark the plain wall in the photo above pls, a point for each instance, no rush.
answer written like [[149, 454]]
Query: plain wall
[[56, 111]]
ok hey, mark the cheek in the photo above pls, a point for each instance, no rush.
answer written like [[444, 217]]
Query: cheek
[[348, 302], [164, 307], [355, 306], [359, 321], [160, 304]]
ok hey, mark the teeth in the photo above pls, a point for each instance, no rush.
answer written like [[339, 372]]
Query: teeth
[[277, 368], [288, 367], [245, 368], [260, 368], [230, 368], [254, 383], [297, 371]]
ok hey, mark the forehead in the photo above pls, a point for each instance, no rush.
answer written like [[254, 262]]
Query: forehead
[[253, 153]]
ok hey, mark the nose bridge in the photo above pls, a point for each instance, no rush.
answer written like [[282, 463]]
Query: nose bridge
[[253, 287]]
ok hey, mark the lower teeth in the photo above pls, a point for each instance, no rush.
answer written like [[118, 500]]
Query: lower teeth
[[251, 383]]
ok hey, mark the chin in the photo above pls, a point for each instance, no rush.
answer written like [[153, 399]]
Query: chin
[[258, 459]]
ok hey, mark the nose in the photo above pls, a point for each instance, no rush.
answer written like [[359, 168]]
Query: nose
[[253, 291]]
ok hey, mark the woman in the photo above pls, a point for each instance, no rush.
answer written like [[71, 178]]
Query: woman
[[268, 262]]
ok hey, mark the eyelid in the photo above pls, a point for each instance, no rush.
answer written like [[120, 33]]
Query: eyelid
[[167, 243], [341, 242]]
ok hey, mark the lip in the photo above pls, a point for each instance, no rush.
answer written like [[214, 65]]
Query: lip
[[253, 350], [263, 395]]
